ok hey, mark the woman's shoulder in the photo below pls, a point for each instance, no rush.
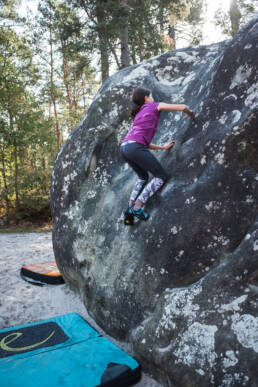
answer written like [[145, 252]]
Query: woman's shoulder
[[149, 108], [155, 107], [151, 105]]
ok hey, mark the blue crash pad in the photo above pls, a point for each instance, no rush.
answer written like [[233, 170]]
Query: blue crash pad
[[63, 351]]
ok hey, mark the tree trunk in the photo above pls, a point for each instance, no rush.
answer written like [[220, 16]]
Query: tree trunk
[[103, 39], [3, 170], [141, 47], [161, 19], [235, 17], [67, 87], [53, 91], [133, 52], [15, 152], [112, 49], [172, 35], [49, 108], [45, 187], [16, 173], [125, 57], [83, 93]]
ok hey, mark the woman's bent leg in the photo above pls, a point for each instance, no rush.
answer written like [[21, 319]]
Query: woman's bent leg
[[139, 156], [150, 163], [136, 191], [154, 185], [141, 173]]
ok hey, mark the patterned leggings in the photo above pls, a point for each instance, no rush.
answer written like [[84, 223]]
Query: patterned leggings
[[148, 191], [142, 161]]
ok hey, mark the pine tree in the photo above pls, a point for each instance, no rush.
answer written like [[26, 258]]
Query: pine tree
[[239, 13], [21, 121]]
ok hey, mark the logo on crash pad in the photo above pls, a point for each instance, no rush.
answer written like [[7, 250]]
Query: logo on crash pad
[[31, 338]]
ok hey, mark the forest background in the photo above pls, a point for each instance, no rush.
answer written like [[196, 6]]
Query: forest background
[[53, 61]]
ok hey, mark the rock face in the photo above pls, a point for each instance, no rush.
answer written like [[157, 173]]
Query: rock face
[[181, 287]]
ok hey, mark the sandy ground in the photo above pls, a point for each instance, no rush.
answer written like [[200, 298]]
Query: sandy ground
[[22, 303]]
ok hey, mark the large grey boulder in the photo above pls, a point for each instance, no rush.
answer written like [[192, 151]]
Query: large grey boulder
[[182, 287]]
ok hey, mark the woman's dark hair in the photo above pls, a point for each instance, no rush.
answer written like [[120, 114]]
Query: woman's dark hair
[[138, 99]]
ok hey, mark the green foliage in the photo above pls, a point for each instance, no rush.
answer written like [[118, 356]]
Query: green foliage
[[239, 13], [7, 11], [195, 13], [73, 76], [148, 24], [30, 81], [24, 130]]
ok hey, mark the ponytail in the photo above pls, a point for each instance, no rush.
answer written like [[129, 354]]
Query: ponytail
[[138, 99]]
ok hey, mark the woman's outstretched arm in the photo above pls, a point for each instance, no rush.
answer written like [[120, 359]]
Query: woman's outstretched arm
[[162, 106]]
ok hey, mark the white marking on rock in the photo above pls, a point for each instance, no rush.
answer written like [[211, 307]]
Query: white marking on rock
[[231, 96], [234, 305], [220, 158], [196, 346], [205, 126], [179, 303], [168, 348], [230, 360], [150, 270], [65, 164], [252, 95], [67, 180], [213, 206], [223, 118], [236, 116], [203, 160], [174, 230], [73, 210], [249, 199], [236, 379], [189, 78], [138, 72], [245, 328], [241, 75], [190, 200], [91, 194]]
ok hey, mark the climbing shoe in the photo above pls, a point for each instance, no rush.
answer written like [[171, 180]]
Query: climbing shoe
[[129, 217], [140, 214]]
